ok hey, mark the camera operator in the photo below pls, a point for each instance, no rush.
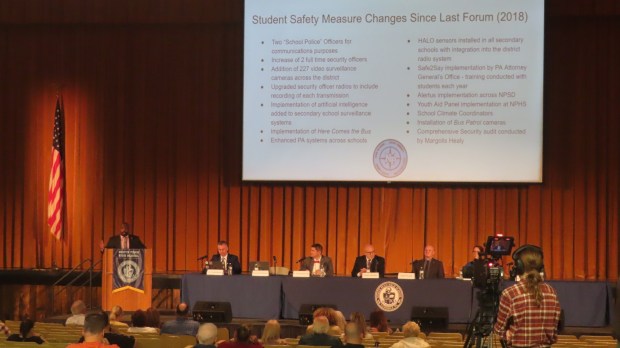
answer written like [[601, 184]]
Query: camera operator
[[468, 270], [531, 306]]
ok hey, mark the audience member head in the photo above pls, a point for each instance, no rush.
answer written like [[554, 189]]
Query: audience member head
[[222, 248], [78, 307], [429, 252], [316, 250], [352, 334], [243, 333], [94, 325], [152, 318], [207, 334], [411, 329], [138, 318], [326, 312], [320, 325], [378, 321], [359, 319], [182, 310], [341, 322], [271, 332], [25, 328], [116, 313]]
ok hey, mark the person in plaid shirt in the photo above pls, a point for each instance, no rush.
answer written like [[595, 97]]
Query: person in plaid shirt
[[531, 306]]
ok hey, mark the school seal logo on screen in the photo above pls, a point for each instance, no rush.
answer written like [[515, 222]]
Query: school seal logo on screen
[[389, 296], [390, 158], [128, 271]]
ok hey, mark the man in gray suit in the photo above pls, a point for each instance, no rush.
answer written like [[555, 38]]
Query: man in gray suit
[[433, 268], [316, 263]]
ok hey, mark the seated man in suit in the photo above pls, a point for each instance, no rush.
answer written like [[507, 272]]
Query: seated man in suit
[[433, 268], [369, 262], [126, 240], [225, 258], [317, 264], [319, 336]]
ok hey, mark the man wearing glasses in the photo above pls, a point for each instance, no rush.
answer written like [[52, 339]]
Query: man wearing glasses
[[369, 262]]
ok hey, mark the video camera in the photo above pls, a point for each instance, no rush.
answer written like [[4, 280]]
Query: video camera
[[498, 246], [487, 270]]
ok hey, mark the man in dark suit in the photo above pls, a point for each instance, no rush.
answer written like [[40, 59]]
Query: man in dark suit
[[316, 263], [125, 240], [227, 259], [319, 336], [433, 268], [369, 262]]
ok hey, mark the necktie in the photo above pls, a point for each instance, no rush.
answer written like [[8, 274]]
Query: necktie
[[125, 243], [426, 264], [224, 262]]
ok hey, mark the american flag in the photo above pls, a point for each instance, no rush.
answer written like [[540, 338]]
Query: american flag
[[57, 177]]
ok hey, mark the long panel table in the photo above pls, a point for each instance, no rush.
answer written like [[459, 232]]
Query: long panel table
[[584, 303], [353, 294], [250, 297]]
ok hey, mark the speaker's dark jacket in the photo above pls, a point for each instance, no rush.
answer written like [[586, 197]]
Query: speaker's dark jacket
[[376, 265], [231, 259], [433, 271], [134, 242]]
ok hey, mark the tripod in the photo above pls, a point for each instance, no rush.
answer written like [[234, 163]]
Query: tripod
[[480, 329]]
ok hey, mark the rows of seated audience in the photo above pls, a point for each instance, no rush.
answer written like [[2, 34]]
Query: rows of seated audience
[[328, 329]]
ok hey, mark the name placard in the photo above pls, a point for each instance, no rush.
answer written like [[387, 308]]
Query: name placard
[[301, 274], [215, 272], [370, 275], [260, 273], [405, 275]]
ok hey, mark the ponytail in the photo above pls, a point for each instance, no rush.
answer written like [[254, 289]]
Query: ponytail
[[532, 281]]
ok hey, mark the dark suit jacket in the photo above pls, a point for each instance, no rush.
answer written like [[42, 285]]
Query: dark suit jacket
[[231, 259], [434, 270], [376, 265], [326, 262], [315, 339], [134, 242]]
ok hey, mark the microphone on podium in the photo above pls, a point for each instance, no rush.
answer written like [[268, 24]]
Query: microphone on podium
[[203, 257]]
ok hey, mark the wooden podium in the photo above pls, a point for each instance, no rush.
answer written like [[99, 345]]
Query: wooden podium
[[128, 299]]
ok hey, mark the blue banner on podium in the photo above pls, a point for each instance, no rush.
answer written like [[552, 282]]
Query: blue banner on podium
[[128, 273]]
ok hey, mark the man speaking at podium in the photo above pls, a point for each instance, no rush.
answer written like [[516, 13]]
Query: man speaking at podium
[[125, 240]]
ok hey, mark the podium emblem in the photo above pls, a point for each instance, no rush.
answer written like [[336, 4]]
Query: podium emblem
[[389, 296], [128, 271]]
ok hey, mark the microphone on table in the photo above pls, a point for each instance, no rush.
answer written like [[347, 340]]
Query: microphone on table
[[298, 261], [203, 257], [275, 261]]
